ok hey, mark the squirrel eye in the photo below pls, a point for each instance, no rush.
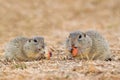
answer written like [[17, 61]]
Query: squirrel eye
[[43, 46], [29, 40], [80, 36], [35, 40]]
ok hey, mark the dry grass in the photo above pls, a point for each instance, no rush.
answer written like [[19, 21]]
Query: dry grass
[[54, 19]]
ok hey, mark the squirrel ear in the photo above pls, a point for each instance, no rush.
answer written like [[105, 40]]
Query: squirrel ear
[[68, 36], [84, 34]]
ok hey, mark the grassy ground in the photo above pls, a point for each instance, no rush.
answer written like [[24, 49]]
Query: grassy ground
[[54, 19]]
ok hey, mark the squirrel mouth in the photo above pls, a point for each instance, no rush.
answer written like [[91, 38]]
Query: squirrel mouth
[[74, 51]]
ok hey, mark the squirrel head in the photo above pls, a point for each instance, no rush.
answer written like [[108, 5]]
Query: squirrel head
[[76, 38], [79, 41], [34, 47]]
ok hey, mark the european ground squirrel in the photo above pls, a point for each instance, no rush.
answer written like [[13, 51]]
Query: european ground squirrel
[[89, 45], [25, 49]]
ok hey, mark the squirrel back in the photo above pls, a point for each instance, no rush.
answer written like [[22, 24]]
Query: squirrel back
[[100, 46]]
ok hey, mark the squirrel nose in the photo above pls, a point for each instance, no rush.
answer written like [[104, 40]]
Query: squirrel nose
[[73, 45], [39, 49]]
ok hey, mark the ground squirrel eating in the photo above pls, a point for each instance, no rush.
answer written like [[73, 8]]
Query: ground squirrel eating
[[25, 49], [89, 45]]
